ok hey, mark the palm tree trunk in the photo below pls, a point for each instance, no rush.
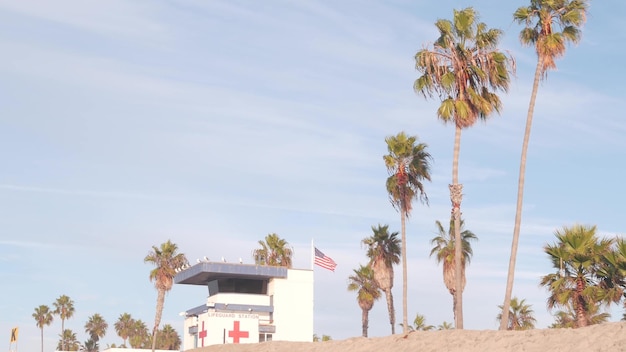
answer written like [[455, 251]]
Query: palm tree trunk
[[520, 199], [364, 321], [62, 332], [42, 338], [405, 322], [453, 304], [157, 318], [456, 195], [581, 309], [392, 314]]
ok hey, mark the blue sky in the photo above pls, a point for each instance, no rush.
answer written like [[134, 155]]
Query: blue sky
[[212, 123]]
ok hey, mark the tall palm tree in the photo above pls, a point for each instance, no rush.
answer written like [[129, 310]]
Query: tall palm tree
[[165, 259], [43, 316], [274, 251], [384, 251], [124, 326], [408, 165], [64, 308], [577, 256], [542, 20], [96, 327], [445, 251], [521, 315], [465, 70], [68, 341], [362, 281]]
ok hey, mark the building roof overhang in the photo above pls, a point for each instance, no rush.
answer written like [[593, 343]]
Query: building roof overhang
[[203, 273]]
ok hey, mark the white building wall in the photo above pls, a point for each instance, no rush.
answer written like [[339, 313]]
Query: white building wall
[[242, 299], [238, 298], [293, 306], [292, 299], [189, 340]]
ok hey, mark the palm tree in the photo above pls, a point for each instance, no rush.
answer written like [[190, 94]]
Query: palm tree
[[324, 338], [612, 273], [124, 326], [521, 316], [139, 338], [165, 259], [465, 69], [384, 251], [445, 251], [419, 324], [542, 19], [620, 263], [169, 338], [408, 165], [68, 339], [567, 318], [445, 326], [274, 251], [577, 257], [362, 281], [90, 345], [44, 317], [64, 308], [96, 327], [564, 320]]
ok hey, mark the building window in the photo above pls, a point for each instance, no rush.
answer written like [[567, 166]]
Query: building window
[[265, 337], [230, 285]]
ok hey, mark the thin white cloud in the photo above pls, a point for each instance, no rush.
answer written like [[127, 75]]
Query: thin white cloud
[[22, 244], [116, 17], [85, 193]]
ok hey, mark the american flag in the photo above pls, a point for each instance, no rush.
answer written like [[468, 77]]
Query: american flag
[[324, 261]]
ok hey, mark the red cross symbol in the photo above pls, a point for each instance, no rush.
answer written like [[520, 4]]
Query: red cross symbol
[[202, 334], [235, 333]]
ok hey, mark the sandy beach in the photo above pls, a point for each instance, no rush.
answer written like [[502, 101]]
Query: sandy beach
[[602, 337]]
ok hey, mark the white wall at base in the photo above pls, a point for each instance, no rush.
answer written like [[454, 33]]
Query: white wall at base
[[133, 350], [216, 328]]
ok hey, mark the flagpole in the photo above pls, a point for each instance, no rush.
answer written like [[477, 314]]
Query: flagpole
[[313, 282], [312, 255]]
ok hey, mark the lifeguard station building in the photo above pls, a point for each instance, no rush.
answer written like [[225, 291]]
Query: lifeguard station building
[[248, 303]]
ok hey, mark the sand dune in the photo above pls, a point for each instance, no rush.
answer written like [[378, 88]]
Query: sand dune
[[600, 338]]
